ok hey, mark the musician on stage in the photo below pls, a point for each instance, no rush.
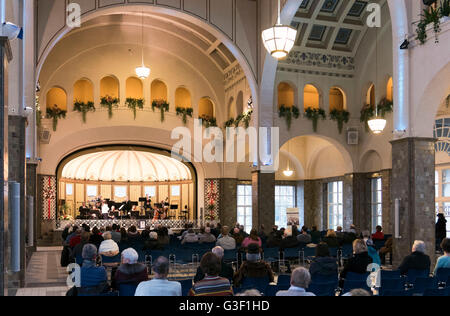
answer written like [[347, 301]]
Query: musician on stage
[[105, 210], [148, 203]]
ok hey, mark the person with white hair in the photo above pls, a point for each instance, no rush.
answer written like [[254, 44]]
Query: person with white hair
[[205, 236], [130, 271], [226, 272], [108, 247], [300, 281], [94, 279], [418, 260]]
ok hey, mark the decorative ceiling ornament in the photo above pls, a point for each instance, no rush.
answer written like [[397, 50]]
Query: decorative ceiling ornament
[[279, 39]]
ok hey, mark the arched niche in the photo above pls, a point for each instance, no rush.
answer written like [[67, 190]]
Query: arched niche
[[134, 88], [205, 108], [83, 91], [109, 86], [286, 95], [158, 90], [337, 99], [371, 161], [311, 97], [390, 90], [370, 96], [240, 103], [56, 97], [183, 98], [231, 108]]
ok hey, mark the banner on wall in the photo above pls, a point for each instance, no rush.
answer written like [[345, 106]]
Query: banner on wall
[[293, 216]]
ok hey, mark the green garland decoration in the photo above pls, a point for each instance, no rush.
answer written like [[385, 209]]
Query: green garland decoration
[[134, 104], [288, 112], [184, 113], [55, 114], [314, 115], [341, 117], [208, 122], [83, 108], [109, 102], [163, 106]]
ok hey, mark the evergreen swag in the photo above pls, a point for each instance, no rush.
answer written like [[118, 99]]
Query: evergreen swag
[[341, 117], [368, 112], [109, 102], [163, 106], [245, 118], [288, 113], [135, 104], [432, 15], [55, 114], [83, 108], [184, 113], [314, 115], [208, 122], [229, 123]]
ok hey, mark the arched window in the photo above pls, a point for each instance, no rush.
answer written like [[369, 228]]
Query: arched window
[[56, 97], [240, 103], [159, 90], [83, 91], [286, 95], [109, 86], [311, 97], [390, 90], [231, 108], [134, 88], [337, 99], [205, 108], [183, 98], [370, 98]]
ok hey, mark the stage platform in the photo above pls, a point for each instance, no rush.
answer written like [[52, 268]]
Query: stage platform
[[140, 224]]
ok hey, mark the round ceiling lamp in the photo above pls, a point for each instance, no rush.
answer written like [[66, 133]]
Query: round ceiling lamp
[[142, 71], [378, 123], [288, 172], [279, 39]]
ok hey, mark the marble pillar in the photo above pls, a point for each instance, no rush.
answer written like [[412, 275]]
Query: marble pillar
[[413, 167], [263, 191], [228, 202]]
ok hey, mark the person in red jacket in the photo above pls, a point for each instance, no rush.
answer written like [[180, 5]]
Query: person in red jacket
[[379, 234]]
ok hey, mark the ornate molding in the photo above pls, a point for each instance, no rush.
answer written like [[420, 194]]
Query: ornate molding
[[335, 63], [233, 77]]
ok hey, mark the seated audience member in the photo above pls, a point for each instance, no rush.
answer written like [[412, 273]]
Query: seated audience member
[[357, 292], [66, 232], [315, 235], [262, 233], [367, 238], [130, 271], [254, 267], [243, 232], [216, 230], [71, 232], [387, 249], [360, 260], [96, 237], [323, 264], [93, 279], [76, 238], [160, 285], [238, 237], [444, 261], [190, 238], [205, 236], [145, 233], [417, 260], [379, 235], [353, 229], [212, 284], [123, 235], [225, 240], [78, 250], [290, 241], [339, 232], [252, 239], [251, 293], [115, 233], [108, 247], [275, 238], [152, 242], [300, 281], [226, 271], [133, 234], [163, 237], [331, 239], [304, 237]]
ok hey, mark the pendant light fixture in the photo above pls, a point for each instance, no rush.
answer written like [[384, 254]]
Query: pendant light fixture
[[378, 123], [288, 172], [143, 72], [279, 39]]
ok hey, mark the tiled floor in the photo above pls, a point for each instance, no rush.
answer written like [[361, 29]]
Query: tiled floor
[[45, 276]]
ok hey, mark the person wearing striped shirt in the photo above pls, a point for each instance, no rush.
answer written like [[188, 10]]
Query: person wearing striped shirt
[[212, 284]]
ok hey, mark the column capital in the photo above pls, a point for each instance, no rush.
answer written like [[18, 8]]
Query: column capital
[[411, 139]]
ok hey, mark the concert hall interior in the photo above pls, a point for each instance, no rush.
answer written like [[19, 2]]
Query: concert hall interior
[[188, 116]]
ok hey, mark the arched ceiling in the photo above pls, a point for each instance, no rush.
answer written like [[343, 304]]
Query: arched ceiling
[[126, 165]]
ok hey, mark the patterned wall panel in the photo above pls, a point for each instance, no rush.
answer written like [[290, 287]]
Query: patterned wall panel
[[212, 199], [48, 197]]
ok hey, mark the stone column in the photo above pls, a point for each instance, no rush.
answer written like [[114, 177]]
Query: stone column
[[5, 57], [362, 215], [16, 156], [413, 165], [263, 191], [228, 202], [313, 203], [388, 225], [31, 189], [349, 189]]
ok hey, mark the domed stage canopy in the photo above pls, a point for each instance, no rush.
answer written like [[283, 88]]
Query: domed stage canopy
[[126, 165]]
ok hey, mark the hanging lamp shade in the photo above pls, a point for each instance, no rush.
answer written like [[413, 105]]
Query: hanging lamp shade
[[288, 172], [279, 40], [143, 72], [377, 125]]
